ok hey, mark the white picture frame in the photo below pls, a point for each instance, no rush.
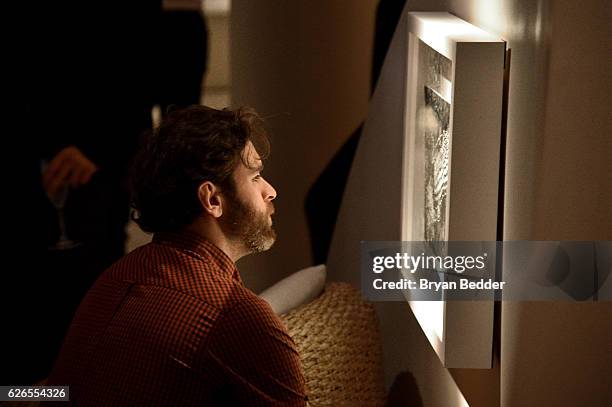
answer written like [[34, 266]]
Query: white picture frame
[[453, 119]]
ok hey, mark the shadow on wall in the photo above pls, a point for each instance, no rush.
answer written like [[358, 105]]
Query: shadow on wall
[[324, 197], [404, 392]]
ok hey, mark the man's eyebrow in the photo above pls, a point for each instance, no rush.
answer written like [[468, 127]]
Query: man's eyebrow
[[258, 168]]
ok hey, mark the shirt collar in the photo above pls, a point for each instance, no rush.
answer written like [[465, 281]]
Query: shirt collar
[[195, 243]]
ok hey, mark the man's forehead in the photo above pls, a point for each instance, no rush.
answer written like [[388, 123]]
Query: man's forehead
[[251, 156]]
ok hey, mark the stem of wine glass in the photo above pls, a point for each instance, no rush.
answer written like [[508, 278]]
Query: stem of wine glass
[[62, 224]]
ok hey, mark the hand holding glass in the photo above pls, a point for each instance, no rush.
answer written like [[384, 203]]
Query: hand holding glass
[[58, 200]]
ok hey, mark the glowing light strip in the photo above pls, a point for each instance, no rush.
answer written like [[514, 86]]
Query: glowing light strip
[[442, 30]]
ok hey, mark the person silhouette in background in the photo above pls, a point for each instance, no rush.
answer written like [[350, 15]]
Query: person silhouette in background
[[87, 76], [183, 43], [86, 79]]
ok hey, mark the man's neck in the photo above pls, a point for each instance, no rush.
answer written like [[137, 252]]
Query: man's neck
[[211, 231]]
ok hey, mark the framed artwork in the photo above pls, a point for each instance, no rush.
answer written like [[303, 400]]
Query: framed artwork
[[451, 164]]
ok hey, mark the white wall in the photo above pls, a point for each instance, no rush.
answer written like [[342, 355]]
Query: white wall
[[557, 187]]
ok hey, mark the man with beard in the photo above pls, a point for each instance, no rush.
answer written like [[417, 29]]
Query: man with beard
[[171, 323]]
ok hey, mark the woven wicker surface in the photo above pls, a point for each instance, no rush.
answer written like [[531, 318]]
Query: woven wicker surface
[[339, 343]]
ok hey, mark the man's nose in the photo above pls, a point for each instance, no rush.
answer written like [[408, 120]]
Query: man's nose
[[270, 192]]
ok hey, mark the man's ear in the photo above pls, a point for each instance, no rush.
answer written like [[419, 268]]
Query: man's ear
[[210, 199]]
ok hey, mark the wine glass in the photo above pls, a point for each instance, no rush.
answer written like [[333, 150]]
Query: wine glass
[[58, 200]]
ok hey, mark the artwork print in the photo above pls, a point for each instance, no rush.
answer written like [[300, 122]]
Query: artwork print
[[434, 120]]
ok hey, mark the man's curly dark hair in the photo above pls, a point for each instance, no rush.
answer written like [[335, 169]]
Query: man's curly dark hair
[[192, 145]]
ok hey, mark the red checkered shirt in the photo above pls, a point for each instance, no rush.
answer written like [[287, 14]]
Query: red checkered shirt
[[172, 324]]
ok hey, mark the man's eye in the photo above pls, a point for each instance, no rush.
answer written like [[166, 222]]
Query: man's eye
[[257, 177]]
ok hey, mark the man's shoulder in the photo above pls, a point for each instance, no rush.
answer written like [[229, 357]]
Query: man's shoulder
[[248, 310], [204, 281], [177, 270], [246, 300]]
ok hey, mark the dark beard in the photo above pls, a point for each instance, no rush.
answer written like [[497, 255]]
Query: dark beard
[[247, 226]]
